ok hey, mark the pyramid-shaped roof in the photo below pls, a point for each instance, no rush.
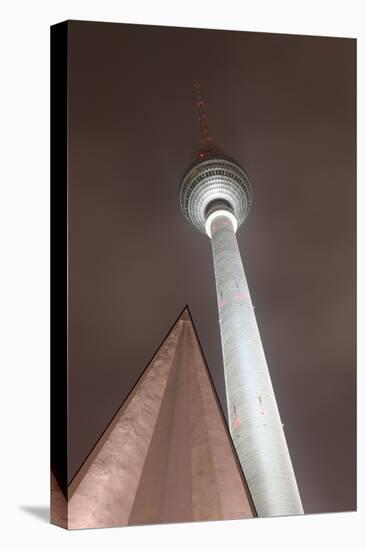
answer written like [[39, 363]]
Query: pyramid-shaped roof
[[167, 455]]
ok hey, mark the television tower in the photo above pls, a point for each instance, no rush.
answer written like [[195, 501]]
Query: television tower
[[216, 196]]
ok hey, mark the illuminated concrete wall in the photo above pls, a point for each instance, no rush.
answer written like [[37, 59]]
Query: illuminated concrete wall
[[166, 455]]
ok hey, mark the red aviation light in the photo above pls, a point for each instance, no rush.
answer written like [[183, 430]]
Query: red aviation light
[[236, 422]]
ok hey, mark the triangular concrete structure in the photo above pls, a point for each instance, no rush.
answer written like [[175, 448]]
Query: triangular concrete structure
[[167, 455]]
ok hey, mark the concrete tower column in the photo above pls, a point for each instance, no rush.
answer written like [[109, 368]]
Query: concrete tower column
[[216, 197], [254, 420]]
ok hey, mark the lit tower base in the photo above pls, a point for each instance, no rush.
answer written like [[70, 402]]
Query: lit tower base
[[215, 197]]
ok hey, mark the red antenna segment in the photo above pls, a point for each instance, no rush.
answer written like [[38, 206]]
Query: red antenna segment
[[207, 145]]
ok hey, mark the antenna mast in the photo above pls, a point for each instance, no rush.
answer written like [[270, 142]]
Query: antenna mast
[[207, 145]]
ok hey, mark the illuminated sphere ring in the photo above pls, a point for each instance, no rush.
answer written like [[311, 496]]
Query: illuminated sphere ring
[[214, 180]]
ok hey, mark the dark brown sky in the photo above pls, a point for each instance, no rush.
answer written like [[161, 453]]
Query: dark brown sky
[[283, 107]]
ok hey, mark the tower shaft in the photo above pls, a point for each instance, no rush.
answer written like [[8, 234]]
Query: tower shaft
[[254, 420]]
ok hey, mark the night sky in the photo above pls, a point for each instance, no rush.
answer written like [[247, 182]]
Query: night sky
[[283, 107]]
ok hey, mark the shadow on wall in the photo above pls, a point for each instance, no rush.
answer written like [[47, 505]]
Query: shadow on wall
[[40, 512]]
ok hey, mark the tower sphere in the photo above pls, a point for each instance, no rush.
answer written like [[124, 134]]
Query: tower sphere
[[216, 182]]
